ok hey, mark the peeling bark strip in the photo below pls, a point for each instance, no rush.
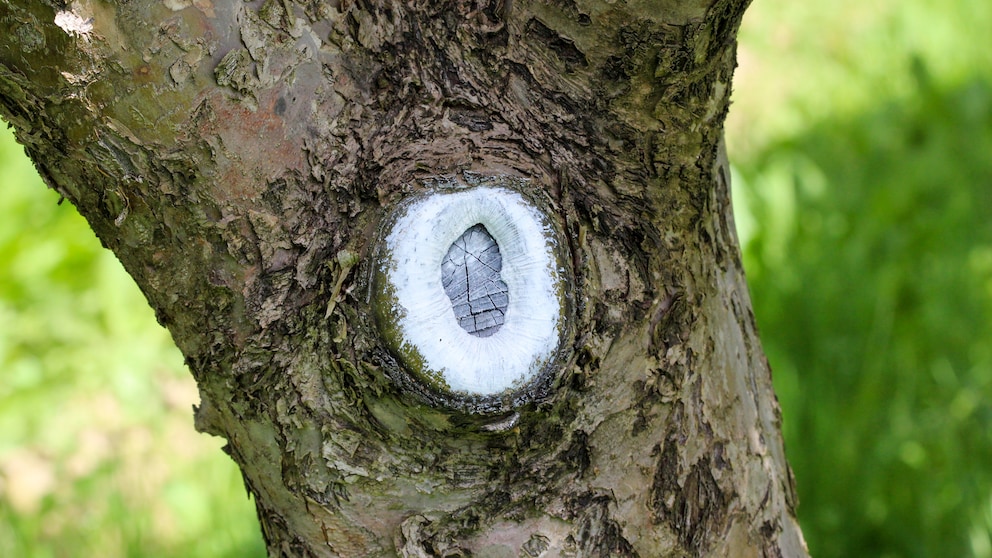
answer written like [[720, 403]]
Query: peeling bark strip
[[688, 498], [240, 158]]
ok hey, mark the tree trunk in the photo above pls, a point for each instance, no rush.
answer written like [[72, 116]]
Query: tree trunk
[[244, 161]]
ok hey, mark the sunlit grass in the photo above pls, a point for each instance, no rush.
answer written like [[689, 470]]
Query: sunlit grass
[[98, 455], [802, 62], [862, 142]]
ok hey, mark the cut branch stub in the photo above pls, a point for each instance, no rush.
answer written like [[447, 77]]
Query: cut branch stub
[[470, 274], [470, 292]]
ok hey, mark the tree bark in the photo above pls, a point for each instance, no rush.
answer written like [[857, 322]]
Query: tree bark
[[240, 159]]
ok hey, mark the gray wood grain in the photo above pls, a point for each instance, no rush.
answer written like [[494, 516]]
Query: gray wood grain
[[470, 274]]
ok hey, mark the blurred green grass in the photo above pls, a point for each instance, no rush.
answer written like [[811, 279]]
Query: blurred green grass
[[861, 136], [98, 455]]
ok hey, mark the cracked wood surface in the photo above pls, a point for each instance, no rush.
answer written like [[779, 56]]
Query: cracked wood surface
[[470, 274]]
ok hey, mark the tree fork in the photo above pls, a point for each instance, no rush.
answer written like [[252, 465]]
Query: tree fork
[[241, 158]]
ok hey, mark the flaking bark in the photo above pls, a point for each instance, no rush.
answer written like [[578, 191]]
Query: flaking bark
[[239, 157]]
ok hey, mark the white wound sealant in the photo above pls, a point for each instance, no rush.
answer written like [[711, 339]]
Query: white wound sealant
[[475, 289]]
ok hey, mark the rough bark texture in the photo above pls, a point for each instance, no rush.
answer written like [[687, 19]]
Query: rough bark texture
[[238, 157]]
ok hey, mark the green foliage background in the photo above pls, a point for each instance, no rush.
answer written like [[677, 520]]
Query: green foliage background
[[98, 455], [862, 143], [861, 137]]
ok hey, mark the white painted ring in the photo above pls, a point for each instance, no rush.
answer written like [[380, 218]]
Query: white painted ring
[[415, 246]]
